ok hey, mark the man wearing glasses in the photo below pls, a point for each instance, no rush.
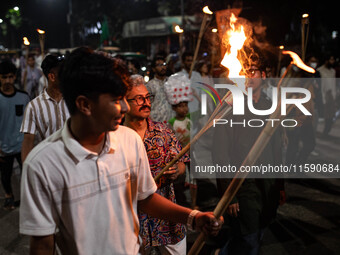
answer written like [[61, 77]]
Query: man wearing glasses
[[161, 146], [161, 109], [254, 206], [46, 113], [82, 185]]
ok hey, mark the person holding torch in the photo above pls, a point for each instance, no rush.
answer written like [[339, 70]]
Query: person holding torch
[[256, 202], [82, 185]]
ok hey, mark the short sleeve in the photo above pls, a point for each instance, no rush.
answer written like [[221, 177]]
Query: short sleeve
[[37, 214], [28, 124]]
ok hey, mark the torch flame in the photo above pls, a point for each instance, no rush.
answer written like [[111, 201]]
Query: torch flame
[[298, 62], [40, 31], [207, 10], [26, 41], [178, 29], [236, 39]]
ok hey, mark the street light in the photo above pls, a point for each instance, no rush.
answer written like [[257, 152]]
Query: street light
[[1, 20], [16, 8]]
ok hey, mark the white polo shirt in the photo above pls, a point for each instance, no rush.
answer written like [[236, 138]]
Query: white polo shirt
[[90, 198]]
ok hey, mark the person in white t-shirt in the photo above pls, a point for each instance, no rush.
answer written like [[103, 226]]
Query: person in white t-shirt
[[82, 185]]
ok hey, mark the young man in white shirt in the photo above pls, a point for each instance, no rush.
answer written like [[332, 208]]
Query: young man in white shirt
[[88, 178]]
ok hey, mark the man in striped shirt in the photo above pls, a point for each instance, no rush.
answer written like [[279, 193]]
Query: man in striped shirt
[[46, 113]]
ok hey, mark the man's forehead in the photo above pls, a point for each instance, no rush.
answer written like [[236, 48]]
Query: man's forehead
[[139, 90]]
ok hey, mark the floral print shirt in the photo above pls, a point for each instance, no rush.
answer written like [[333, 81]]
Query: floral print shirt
[[161, 146]]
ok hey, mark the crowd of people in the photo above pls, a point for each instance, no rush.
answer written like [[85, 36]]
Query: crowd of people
[[93, 135]]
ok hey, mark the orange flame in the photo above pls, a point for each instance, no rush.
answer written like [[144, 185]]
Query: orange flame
[[40, 31], [236, 39], [178, 29], [26, 41], [207, 10], [298, 62]]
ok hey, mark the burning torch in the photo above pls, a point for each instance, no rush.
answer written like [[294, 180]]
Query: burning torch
[[255, 151], [180, 31], [41, 34], [207, 14], [27, 46]]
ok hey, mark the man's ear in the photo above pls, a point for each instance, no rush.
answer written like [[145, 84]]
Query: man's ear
[[51, 77], [84, 105]]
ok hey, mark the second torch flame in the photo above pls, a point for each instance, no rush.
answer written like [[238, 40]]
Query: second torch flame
[[298, 62], [26, 41], [40, 31]]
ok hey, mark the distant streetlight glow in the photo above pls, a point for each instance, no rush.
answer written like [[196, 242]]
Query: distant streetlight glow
[[1, 20], [214, 30], [306, 15], [16, 8]]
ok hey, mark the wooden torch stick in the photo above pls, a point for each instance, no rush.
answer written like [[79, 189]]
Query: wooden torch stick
[[200, 35], [216, 113]]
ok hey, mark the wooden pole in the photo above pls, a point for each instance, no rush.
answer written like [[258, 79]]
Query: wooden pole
[[219, 112], [200, 35], [26, 67]]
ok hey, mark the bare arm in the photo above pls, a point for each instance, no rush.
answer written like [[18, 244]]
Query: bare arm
[[162, 208], [27, 145], [42, 245]]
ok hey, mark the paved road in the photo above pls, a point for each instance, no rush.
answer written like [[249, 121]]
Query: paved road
[[309, 223]]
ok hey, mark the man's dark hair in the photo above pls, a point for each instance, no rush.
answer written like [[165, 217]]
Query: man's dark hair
[[7, 67], [51, 61], [158, 57], [31, 55], [187, 54], [85, 72]]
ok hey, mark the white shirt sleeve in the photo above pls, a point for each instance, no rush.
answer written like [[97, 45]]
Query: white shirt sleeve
[[37, 214]]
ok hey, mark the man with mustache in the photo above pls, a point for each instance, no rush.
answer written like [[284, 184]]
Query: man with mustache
[[12, 106], [161, 146]]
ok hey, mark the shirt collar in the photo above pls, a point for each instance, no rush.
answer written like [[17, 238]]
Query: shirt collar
[[152, 125], [79, 152]]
